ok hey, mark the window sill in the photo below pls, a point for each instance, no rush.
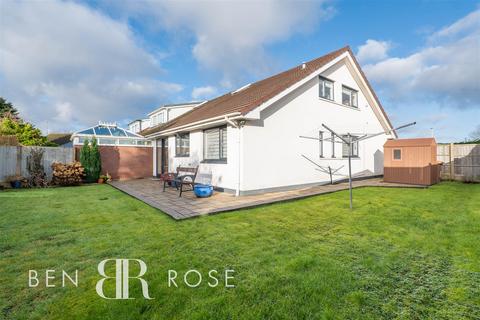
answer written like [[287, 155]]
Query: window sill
[[339, 104], [326, 99], [219, 161], [187, 156], [346, 105]]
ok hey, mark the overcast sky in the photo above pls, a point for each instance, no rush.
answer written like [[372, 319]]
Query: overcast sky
[[68, 64]]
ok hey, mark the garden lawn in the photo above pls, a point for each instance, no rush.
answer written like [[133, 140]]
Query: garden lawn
[[401, 253]]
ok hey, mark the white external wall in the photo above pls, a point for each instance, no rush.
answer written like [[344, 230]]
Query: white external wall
[[145, 124], [272, 154], [223, 175]]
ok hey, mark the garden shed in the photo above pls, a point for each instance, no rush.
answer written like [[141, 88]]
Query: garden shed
[[124, 154], [412, 161]]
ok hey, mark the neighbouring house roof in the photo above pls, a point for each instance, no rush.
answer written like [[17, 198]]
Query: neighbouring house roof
[[154, 129], [175, 105], [59, 138], [416, 142], [251, 96]]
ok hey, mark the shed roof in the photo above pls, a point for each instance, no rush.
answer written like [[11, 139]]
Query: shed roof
[[415, 142]]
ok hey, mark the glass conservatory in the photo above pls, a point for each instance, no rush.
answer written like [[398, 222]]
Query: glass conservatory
[[109, 134]]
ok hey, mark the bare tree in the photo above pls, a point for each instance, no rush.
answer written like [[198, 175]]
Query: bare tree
[[475, 134]]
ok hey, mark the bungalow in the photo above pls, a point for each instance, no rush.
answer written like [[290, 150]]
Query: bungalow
[[249, 140]]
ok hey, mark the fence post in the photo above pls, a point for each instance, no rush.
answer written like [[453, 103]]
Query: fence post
[[18, 166], [452, 162]]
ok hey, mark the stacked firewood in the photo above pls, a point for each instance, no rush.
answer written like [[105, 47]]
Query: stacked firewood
[[67, 174]]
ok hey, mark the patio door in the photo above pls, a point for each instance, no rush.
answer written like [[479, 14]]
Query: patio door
[[164, 156], [159, 157]]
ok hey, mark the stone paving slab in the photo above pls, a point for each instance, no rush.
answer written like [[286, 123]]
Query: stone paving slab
[[151, 192]]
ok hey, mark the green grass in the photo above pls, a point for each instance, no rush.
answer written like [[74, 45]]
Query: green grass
[[401, 254]]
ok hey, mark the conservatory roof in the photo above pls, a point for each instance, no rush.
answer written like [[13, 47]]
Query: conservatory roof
[[107, 130]]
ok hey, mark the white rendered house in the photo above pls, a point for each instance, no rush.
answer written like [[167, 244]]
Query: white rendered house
[[138, 125], [249, 140], [161, 115]]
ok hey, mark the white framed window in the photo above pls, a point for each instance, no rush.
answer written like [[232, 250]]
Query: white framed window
[[107, 141], [349, 97], [345, 150], [397, 154], [126, 142], [161, 118], [326, 88], [182, 145], [215, 144], [157, 118]]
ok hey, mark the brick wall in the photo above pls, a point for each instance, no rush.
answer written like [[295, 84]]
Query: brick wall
[[124, 163]]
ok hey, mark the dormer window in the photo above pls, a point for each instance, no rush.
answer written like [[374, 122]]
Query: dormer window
[[158, 119], [349, 97], [326, 88]]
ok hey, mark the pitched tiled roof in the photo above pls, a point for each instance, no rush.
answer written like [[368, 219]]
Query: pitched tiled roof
[[251, 96]]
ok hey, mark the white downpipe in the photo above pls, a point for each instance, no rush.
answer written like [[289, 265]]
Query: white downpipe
[[239, 144], [155, 169], [237, 193]]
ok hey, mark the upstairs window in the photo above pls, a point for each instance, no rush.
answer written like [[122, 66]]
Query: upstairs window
[[345, 150], [215, 144], [349, 97], [182, 145], [158, 119], [326, 88]]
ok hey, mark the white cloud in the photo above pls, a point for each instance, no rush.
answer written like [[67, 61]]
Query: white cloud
[[373, 50], [470, 22], [230, 36], [446, 70], [203, 92], [64, 62]]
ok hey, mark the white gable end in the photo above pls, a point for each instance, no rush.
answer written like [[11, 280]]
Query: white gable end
[[344, 60], [273, 148]]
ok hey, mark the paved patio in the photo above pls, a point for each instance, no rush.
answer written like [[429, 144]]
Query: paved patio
[[188, 206]]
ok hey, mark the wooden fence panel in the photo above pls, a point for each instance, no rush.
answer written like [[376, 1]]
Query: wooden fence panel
[[13, 160], [460, 161], [8, 161]]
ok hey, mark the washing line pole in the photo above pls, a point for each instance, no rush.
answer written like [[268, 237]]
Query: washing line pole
[[350, 142], [350, 170]]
